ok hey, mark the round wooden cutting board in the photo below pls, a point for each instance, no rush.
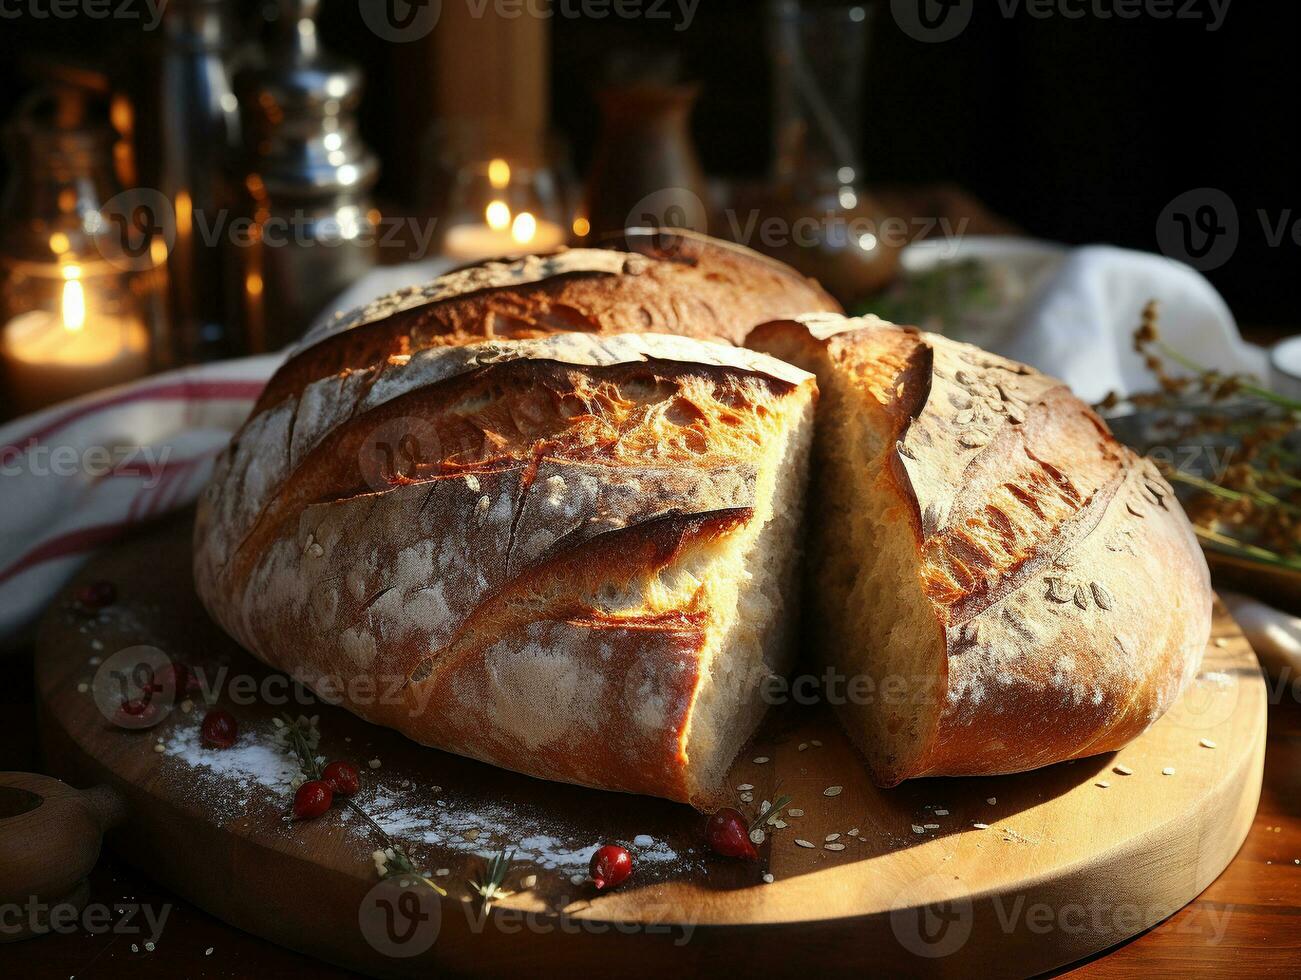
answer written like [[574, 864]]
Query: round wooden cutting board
[[1008, 875]]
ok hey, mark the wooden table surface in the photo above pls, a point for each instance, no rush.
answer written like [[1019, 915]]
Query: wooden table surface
[[1247, 924]]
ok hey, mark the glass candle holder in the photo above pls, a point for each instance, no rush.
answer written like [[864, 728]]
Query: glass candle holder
[[499, 197], [73, 317], [70, 329]]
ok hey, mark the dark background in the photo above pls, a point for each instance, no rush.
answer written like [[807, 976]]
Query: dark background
[[1080, 130]]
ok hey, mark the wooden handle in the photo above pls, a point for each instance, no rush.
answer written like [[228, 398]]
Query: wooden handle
[[50, 836]]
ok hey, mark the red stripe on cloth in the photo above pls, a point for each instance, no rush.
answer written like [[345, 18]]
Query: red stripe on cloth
[[188, 391], [145, 468], [72, 543]]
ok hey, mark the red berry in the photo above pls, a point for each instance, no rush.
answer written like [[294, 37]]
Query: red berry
[[312, 799], [97, 595], [611, 866], [343, 778], [728, 834], [219, 730]]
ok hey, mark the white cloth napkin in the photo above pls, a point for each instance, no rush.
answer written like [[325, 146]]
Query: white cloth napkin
[[1070, 312], [80, 475], [1274, 635]]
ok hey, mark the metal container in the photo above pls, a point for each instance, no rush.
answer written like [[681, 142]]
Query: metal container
[[188, 127], [307, 178]]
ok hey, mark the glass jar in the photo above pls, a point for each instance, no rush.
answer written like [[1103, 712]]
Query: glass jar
[[76, 313], [827, 224]]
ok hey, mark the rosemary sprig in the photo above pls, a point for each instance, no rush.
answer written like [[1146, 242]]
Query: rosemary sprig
[[396, 863], [770, 812], [488, 885], [298, 742]]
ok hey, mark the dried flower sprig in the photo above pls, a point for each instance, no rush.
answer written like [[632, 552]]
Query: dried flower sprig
[[1252, 506], [1221, 387]]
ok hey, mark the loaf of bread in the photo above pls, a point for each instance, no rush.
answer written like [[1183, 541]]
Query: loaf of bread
[[1015, 586], [573, 556], [496, 515]]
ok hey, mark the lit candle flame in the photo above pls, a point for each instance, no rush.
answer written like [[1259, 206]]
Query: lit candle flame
[[498, 215], [499, 173], [74, 299], [524, 228]]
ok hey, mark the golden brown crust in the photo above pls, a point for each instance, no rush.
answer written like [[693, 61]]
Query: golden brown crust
[[1073, 597], [701, 288], [497, 579]]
